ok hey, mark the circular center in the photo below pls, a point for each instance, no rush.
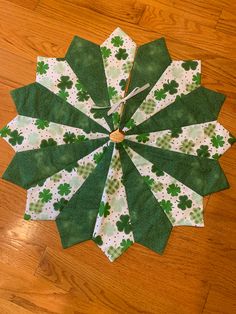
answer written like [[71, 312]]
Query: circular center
[[117, 136]]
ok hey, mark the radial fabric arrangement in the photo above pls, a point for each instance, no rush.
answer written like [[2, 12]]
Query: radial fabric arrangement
[[117, 170]]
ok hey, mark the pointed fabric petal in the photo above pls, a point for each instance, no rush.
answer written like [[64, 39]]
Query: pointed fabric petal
[[177, 80], [201, 105], [37, 101], [28, 168], [150, 225], [202, 175], [118, 52], [181, 205], [150, 62], [25, 133], [45, 201], [57, 76], [85, 59], [76, 221], [208, 139], [112, 230]]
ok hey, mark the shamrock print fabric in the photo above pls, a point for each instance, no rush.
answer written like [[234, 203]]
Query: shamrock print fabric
[[117, 192]]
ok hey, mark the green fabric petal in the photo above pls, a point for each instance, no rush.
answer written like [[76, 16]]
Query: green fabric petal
[[150, 62], [30, 167], [201, 105], [200, 174], [150, 225], [86, 61], [77, 220], [36, 101]]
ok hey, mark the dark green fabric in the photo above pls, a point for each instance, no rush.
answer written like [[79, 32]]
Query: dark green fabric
[[27, 168], [86, 61], [36, 101], [150, 62], [150, 225], [199, 106], [76, 221], [200, 174]]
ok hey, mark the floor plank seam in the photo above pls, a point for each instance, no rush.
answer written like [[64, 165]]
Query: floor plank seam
[[218, 19], [36, 5], [207, 201], [141, 15], [40, 260], [204, 305]]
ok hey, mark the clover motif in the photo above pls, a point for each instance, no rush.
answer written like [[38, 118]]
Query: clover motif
[[122, 177]]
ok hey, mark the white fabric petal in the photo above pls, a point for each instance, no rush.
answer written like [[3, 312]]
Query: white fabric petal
[[43, 202], [60, 79], [208, 139], [27, 133], [118, 52], [113, 206], [183, 82], [168, 192]]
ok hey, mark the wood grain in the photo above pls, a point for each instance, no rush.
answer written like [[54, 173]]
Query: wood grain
[[197, 272]]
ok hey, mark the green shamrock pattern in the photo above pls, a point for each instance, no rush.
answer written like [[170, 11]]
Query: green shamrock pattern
[[148, 106], [59, 205], [189, 65], [64, 82], [164, 141], [47, 143], [173, 189], [104, 209], [115, 252], [45, 195], [64, 189], [142, 138], [217, 141], [42, 124], [184, 202], [42, 67], [124, 224], [117, 41], [121, 54], [15, 138], [115, 163]]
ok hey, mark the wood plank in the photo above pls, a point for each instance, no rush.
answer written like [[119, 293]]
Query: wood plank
[[28, 4], [73, 273], [124, 10], [210, 9], [121, 10], [32, 293], [218, 67], [227, 21], [23, 242], [196, 274], [16, 71], [7, 307], [220, 301], [200, 253], [188, 31]]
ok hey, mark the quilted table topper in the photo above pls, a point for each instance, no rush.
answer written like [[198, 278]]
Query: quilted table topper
[[117, 143]]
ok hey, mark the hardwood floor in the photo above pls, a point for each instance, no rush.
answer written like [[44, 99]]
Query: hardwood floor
[[197, 272]]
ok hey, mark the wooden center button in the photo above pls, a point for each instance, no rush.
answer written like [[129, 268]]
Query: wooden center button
[[117, 136]]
